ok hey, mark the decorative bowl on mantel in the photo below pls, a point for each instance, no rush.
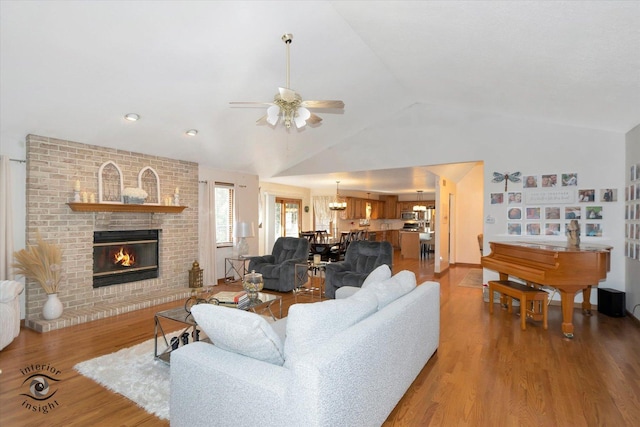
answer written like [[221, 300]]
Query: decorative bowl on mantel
[[134, 196], [129, 200]]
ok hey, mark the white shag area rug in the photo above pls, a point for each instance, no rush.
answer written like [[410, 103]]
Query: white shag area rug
[[134, 373]]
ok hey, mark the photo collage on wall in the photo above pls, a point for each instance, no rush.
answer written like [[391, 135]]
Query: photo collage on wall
[[632, 214], [545, 204]]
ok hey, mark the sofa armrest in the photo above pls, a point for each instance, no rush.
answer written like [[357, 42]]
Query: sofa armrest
[[202, 371]]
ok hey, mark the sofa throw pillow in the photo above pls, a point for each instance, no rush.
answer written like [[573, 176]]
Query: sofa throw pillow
[[382, 272], [240, 332], [393, 288], [311, 325]]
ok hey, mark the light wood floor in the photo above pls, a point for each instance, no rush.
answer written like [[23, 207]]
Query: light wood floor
[[486, 372]]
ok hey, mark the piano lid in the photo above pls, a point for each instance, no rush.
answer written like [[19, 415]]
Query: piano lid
[[559, 246]]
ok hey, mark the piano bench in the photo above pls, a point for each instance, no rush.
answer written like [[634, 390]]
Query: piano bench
[[526, 295]]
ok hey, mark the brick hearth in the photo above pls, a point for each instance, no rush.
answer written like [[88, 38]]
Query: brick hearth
[[53, 166]]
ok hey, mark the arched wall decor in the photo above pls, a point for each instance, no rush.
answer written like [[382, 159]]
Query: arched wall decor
[[149, 181], [110, 184]]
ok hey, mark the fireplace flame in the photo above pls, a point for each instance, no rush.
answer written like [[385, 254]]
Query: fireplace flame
[[123, 258]]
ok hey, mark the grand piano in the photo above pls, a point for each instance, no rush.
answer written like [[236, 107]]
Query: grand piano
[[569, 269]]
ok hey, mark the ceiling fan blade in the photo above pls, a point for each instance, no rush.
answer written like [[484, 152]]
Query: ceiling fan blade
[[323, 104], [262, 120], [287, 94], [314, 119]]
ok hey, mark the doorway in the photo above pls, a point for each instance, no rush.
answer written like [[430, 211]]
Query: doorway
[[287, 217]]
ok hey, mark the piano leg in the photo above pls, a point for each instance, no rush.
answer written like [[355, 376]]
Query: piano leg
[[566, 300], [586, 301]]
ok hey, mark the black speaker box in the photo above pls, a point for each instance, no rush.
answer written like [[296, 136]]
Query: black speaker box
[[611, 302]]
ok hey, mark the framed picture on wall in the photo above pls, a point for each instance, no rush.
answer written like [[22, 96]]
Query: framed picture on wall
[[594, 212], [552, 213], [533, 213], [514, 213], [497, 198], [608, 195], [552, 229], [569, 179], [572, 212], [533, 229], [593, 230], [549, 180], [514, 228], [530, 181], [515, 198], [587, 195]]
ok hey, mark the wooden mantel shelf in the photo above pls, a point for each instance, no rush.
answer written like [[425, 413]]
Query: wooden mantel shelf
[[121, 207]]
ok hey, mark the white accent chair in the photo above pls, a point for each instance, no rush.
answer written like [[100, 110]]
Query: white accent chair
[[9, 311]]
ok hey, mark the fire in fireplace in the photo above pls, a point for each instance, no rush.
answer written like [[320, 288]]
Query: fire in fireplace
[[124, 256]]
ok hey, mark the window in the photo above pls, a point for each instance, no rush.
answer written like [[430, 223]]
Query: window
[[287, 217], [224, 214]]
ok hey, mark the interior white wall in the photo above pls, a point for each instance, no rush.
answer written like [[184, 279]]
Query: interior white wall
[[427, 134], [246, 207], [632, 267], [469, 215]]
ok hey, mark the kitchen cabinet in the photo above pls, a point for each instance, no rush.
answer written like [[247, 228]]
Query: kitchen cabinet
[[410, 244], [357, 208], [391, 236], [377, 209], [389, 207]]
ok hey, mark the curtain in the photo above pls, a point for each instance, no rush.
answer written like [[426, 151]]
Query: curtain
[[321, 212], [208, 234], [6, 220]]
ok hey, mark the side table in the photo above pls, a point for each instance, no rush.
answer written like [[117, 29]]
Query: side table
[[235, 268], [305, 274]]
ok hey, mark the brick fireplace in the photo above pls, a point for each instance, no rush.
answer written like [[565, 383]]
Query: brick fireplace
[[53, 166]]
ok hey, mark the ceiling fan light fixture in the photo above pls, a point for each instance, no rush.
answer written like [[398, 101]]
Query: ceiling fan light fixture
[[290, 105], [273, 114], [301, 117]]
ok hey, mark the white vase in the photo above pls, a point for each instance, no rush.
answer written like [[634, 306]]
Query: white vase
[[52, 308]]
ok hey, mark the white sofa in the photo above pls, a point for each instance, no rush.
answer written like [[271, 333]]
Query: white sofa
[[9, 311], [354, 377]]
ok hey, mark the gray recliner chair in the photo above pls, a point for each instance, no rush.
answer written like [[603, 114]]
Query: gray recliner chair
[[278, 269], [361, 258]]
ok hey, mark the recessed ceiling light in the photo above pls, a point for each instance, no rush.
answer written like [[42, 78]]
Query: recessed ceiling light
[[192, 132], [132, 117]]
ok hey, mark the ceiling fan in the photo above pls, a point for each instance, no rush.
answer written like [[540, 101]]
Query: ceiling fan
[[288, 104]]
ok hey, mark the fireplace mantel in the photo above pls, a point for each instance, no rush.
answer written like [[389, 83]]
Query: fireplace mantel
[[116, 207]]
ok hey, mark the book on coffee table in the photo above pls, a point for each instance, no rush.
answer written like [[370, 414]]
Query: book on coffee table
[[231, 297]]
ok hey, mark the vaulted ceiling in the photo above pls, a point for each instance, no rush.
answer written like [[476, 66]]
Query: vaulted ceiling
[[72, 70]]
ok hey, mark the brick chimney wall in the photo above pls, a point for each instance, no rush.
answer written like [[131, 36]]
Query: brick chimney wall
[[53, 166]]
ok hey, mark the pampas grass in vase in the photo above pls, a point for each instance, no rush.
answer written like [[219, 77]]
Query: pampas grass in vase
[[42, 263]]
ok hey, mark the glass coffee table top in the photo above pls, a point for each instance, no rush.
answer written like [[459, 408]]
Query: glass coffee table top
[[262, 304]]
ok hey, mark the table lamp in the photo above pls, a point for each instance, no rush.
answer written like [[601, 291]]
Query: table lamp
[[244, 230]]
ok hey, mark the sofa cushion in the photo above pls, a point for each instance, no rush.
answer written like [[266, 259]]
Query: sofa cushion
[[393, 288], [382, 272], [311, 325], [240, 332]]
